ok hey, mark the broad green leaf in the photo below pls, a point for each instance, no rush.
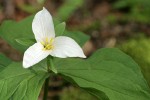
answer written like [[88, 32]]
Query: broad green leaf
[[25, 41], [17, 83], [97, 93], [11, 30], [109, 71], [52, 67], [60, 28]]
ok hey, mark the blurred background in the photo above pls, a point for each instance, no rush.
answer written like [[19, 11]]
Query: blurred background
[[123, 24]]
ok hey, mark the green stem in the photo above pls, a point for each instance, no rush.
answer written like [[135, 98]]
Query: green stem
[[47, 80], [48, 63], [46, 89]]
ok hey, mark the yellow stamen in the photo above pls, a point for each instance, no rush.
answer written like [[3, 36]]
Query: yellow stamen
[[51, 40], [48, 44]]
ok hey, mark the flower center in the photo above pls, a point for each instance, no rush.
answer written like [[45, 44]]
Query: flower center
[[48, 44]]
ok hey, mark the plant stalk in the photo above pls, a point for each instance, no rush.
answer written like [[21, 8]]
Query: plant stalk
[[46, 89], [47, 80]]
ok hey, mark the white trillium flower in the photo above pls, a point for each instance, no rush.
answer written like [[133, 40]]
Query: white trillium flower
[[47, 43]]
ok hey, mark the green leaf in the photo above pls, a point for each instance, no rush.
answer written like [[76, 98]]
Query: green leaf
[[52, 67], [60, 28], [11, 30], [17, 83], [25, 41], [107, 70], [97, 93]]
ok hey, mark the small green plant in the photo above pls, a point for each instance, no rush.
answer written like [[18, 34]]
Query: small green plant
[[109, 74]]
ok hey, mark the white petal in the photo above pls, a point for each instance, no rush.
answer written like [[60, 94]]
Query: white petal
[[34, 54], [43, 26], [66, 47]]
